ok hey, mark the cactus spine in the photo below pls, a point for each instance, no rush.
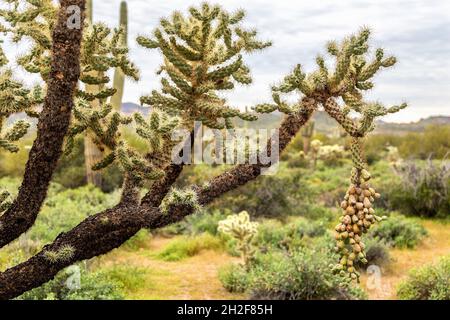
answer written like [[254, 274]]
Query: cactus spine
[[119, 77]]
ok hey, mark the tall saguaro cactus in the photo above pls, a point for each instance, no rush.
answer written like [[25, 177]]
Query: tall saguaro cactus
[[119, 77], [92, 154], [307, 134]]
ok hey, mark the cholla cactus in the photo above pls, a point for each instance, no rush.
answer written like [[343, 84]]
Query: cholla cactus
[[348, 81], [103, 49], [240, 227], [202, 56], [63, 254], [331, 155], [15, 98]]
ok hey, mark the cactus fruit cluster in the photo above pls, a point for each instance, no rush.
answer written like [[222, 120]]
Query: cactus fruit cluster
[[358, 215], [187, 198], [202, 57], [240, 227]]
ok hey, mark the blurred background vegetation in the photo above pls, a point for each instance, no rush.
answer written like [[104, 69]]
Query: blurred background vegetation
[[296, 210]]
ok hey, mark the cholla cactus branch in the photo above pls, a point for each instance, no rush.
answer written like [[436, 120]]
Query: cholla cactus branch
[[202, 56]]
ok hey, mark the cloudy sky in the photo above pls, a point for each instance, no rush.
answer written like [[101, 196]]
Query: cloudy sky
[[416, 31]]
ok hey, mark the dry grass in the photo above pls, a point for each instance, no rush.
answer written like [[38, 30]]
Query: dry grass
[[190, 278], [432, 248], [196, 277]]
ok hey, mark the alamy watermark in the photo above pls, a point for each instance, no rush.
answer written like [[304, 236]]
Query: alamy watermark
[[74, 20], [232, 146]]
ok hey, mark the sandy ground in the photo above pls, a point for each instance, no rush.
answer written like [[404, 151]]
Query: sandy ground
[[196, 277], [432, 248]]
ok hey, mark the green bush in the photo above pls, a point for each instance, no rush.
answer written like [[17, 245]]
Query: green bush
[[64, 210], [377, 253], [273, 234], [234, 278], [400, 232], [204, 221], [129, 277], [427, 283], [139, 240], [423, 190], [184, 247], [302, 275], [273, 196], [93, 286]]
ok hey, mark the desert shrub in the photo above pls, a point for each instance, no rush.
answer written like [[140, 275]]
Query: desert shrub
[[234, 278], [274, 234], [433, 141], [184, 247], [399, 231], [279, 195], [204, 221], [13, 164], [302, 275], [129, 277], [377, 253], [139, 240], [423, 190], [431, 282], [416, 145], [289, 192], [64, 210], [93, 286]]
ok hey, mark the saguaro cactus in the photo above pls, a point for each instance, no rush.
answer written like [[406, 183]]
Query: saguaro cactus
[[119, 77], [92, 153], [307, 134]]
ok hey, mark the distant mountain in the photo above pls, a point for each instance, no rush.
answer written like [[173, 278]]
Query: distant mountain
[[402, 128], [323, 122]]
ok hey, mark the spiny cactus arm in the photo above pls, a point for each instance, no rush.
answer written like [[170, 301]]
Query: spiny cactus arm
[[161, 187], [105, 231], [32, 20], [52, 128], [202, 56]]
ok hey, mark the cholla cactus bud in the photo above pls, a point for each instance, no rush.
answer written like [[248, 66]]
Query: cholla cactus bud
[[187, 198], [63, 254], [240, 227], [359, 219], [4, 201]]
